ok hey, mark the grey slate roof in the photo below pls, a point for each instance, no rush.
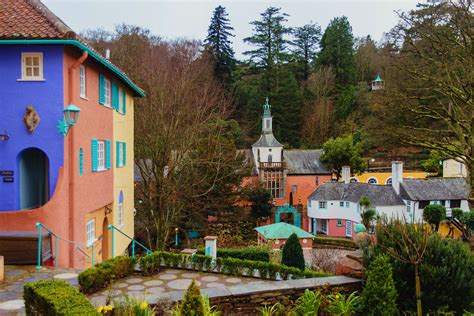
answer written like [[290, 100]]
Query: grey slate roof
[[379, 195], [434, 189], [267, 140]]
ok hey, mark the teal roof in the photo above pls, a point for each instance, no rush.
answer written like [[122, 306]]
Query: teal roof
[[282, 231], [378, 78]]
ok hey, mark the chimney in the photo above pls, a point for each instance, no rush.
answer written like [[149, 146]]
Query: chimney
[[107, 53], [397, 175], [346, 174]]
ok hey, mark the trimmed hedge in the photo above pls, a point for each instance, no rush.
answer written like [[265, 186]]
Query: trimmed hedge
[[102, 274], [152, 263], [55, 297], [249, 253], [334, 241]]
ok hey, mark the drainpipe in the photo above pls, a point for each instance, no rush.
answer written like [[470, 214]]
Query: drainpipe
[[71, 159]]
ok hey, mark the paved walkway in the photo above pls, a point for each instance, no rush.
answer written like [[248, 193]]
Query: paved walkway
[[149, 287]]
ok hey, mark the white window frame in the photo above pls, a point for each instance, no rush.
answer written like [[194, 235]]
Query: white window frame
[[341, 204], [120, 101], [101, 155], [90, 232], [322, 204], [107, 93], [347, 204], [24, 67], [120, 214], [82, 81], [373, 179], [339, 222], [120, 154]]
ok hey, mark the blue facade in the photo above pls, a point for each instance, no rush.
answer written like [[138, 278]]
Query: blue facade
[[47, 97]]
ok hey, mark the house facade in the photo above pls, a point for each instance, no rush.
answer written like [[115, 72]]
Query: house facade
[[334, 209], [70, 176]]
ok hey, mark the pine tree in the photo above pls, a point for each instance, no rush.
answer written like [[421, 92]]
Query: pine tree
[[305, 43], [269, 38], [379, 296], [337, 51], [193, 302], [292, 253], [218, 44]]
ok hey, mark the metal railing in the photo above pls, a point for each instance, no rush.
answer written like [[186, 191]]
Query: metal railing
[[112, 228], [40, 246]]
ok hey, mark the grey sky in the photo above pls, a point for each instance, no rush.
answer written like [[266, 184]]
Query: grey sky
[[190, 19]]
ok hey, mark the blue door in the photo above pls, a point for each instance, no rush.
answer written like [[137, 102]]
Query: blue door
[[34, 178]]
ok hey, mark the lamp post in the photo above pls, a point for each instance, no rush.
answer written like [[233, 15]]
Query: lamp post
[[368, 163], [176, 241], [71, 115]]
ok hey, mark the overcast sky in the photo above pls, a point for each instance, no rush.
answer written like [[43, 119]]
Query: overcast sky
[[190, 19]]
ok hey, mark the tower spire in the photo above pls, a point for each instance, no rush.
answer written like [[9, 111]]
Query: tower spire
[[267, 118], [267, 109]]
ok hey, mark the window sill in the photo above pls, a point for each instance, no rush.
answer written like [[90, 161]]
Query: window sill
[[92, 242], [32, 79], [84, 98]]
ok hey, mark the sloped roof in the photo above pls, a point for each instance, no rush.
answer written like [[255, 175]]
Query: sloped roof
[[282, 231], [379, 195], [434, 189], [267, 140], [31, 20], [305, 161]]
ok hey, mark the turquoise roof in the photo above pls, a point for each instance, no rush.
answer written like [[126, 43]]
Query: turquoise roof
[[378, 78], [282, 231]]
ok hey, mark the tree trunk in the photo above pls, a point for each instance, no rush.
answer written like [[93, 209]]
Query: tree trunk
[[418, 291]]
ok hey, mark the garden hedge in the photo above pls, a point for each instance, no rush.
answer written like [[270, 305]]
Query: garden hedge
[[55, 297], [102, 274], [334, 241], [249, 253]]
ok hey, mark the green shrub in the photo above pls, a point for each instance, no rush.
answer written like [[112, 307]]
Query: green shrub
[[55, 297], [99, 276], [193, 303], [434, 214], [249, 253], [379, 296], [339, 304], [292, 253], [308, 304], [334, 241]]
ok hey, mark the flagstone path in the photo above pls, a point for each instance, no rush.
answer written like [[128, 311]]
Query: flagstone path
[[149, 287]]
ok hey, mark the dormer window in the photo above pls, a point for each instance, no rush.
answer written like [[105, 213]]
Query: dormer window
[[32, 66]]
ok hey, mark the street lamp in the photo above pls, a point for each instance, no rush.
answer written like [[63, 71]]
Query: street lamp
[[71, 115], [368, 163]]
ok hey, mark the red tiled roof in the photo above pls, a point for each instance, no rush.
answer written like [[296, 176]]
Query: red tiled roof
[[31, 19]]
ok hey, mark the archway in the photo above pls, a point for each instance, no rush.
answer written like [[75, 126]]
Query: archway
[[105, 239], [34, 178], [288, 209]]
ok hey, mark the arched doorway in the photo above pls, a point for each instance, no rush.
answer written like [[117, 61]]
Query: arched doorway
[[105, 239], [34, 178]]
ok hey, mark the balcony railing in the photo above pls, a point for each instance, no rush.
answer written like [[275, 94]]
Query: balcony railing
[[273, 165]]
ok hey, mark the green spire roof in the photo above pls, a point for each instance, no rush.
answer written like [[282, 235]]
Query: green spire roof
[[266, 108], [378, 78], [282, 231]]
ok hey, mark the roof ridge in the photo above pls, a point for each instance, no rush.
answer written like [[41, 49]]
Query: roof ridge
[[52, 18]]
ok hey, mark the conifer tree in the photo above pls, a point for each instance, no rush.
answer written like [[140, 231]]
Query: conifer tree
[[193, 302], [379, 296], [292, 253], [218, 44], [305, 43]]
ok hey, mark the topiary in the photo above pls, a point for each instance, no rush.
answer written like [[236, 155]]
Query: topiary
[[379, 295], [292, 254], [193, 303], [434, 214]]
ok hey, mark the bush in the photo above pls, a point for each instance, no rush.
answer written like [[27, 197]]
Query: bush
[[193, 303], [99, 276], [339, 304], [308, 304], [292, 253], [249, 253], [379, 296], [55, 297], [334, 241], [434, 214]]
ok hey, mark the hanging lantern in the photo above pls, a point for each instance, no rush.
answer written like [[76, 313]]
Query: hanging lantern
[[71, 115]]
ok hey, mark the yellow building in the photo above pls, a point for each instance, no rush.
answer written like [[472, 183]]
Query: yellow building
[[123, 209], [454, 169], [385, 177]]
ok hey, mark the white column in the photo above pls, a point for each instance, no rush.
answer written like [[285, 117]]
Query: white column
[[211, 246]]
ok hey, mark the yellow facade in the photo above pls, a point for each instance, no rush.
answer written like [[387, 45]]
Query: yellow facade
[[123, 176], [384, 177]]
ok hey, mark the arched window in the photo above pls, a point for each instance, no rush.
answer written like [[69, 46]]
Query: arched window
[[270, 158], [389, 180], [120, 209], [372, 180], [354, 180]]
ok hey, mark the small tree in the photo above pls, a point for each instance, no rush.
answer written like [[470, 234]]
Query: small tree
[[367, 213], [261, 202], [292, 255], [434, 214], [379, 295], [193, 303], [342, 151]]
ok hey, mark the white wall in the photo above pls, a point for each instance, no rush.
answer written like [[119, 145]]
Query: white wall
[[334, 210], [264, 152]]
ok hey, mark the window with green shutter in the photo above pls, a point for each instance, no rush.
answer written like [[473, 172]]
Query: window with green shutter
[[101, 89], [124, 102], [124, 152], [107, 154], [117, 154], [94, 155], [81, 161], [115, 96]]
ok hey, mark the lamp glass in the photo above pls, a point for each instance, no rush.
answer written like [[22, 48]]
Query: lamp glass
[[71, 114]]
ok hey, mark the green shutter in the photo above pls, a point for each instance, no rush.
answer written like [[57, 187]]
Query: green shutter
[[117, 144], [101, 89], [107, 154], [115, 94], [94, 155], [81, 161], [124, 148], [124, 102]]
